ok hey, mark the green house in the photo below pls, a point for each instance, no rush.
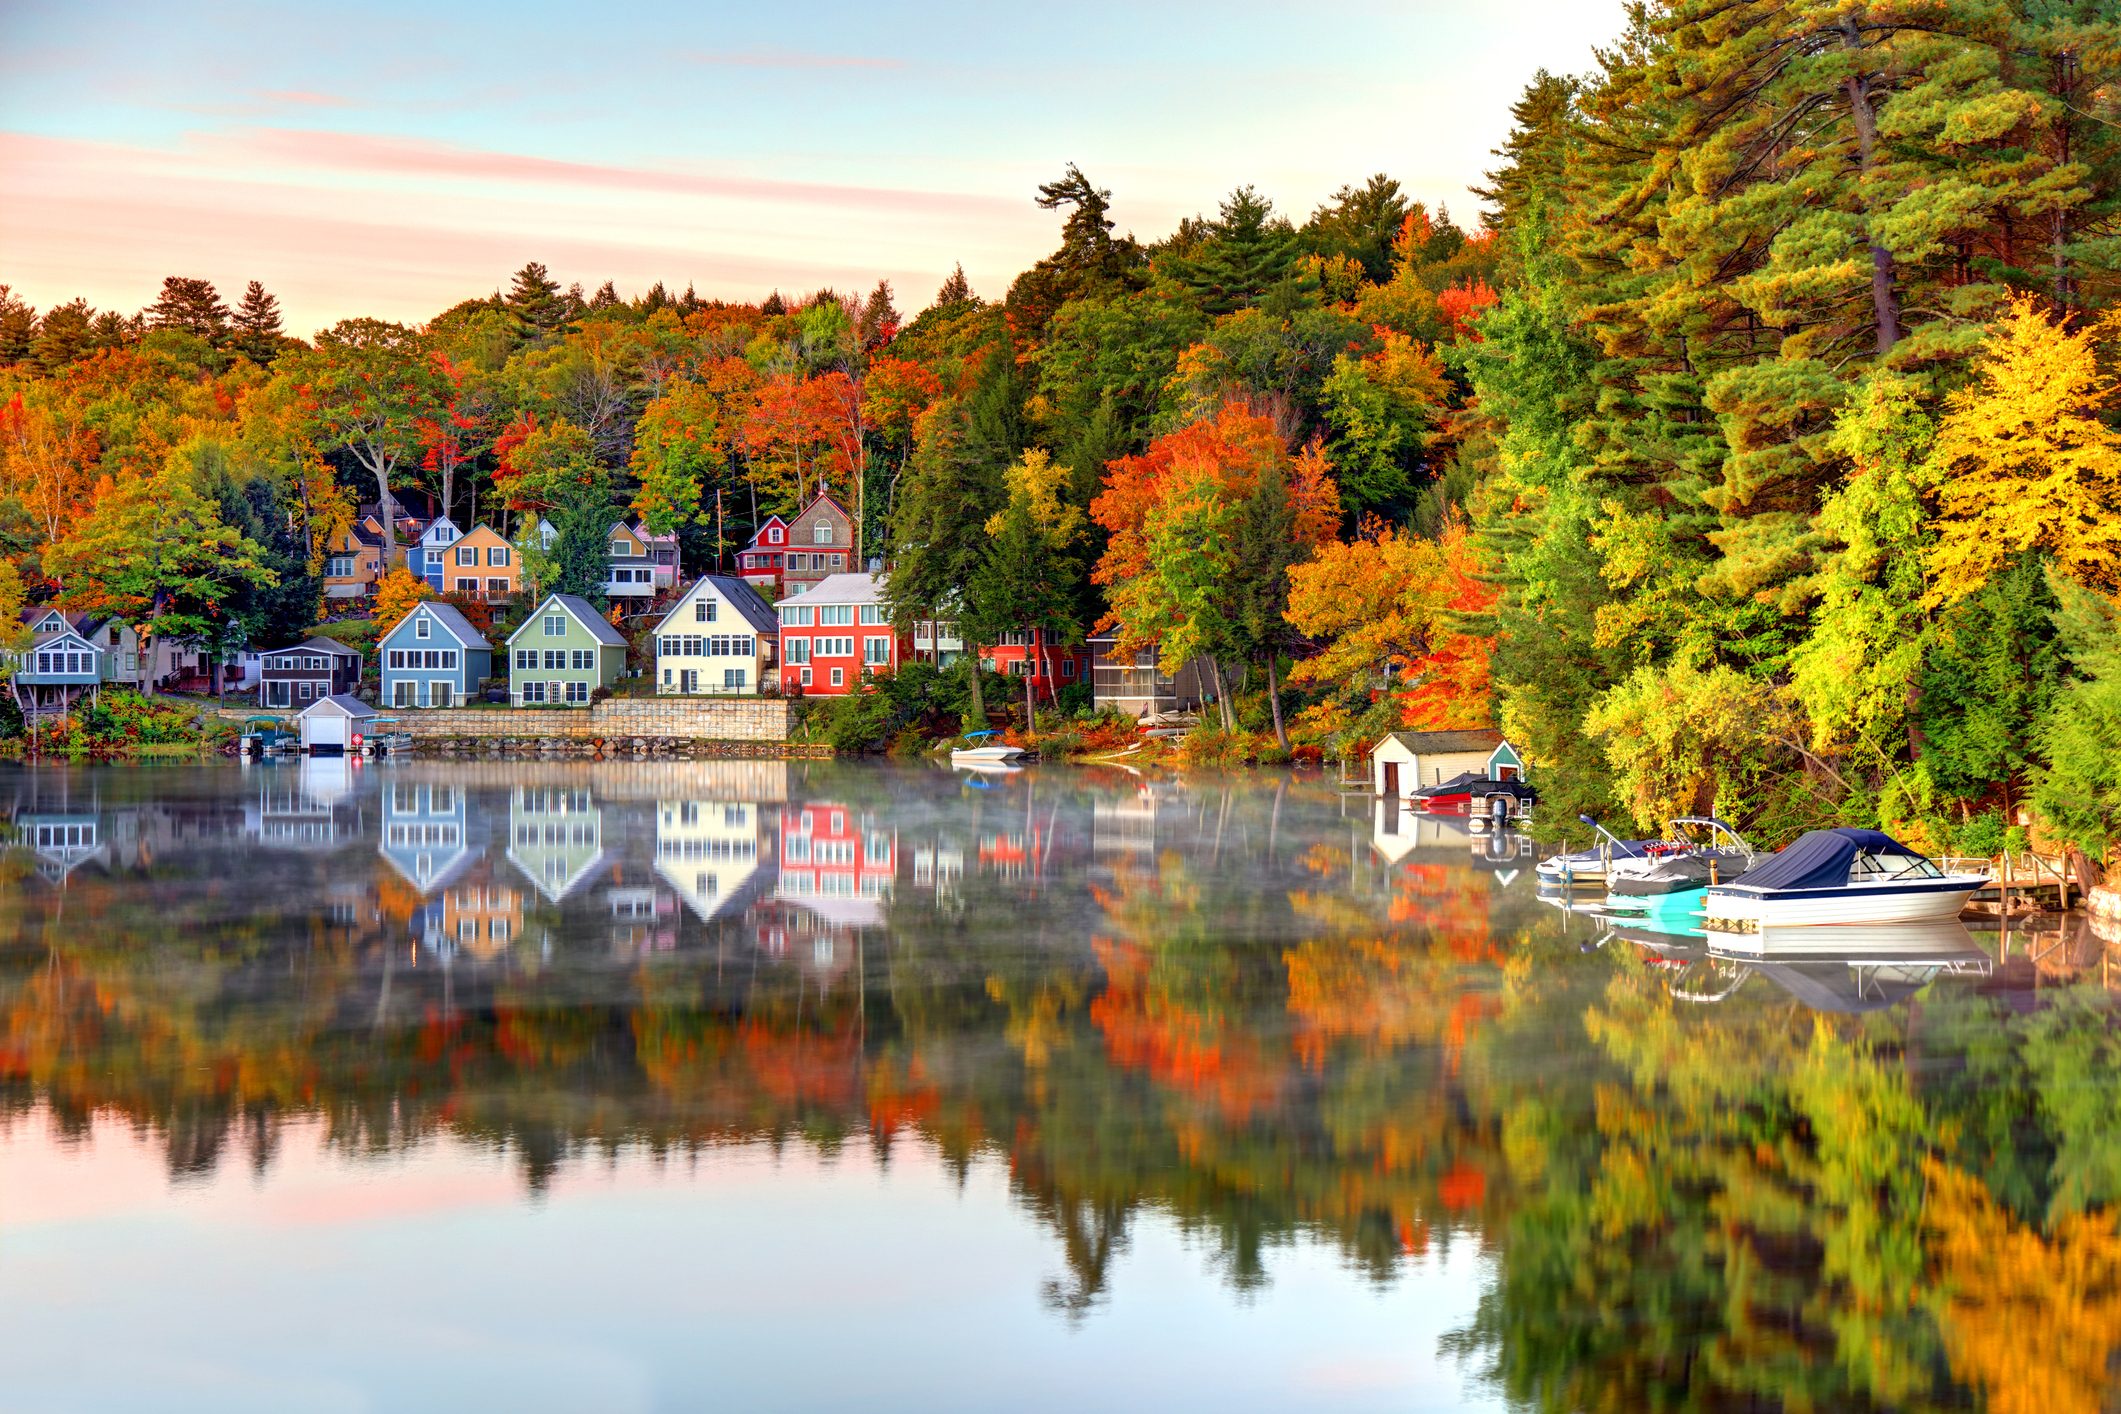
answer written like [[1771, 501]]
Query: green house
[[563, 652]]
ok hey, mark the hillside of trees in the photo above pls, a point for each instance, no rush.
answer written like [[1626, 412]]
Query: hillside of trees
[[1758, 448]]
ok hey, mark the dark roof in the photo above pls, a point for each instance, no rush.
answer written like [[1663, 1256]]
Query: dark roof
[[1819, 859], [1476, 739], [351, 706], [584, 613], [742, 598], [450, 617], [319, 644]]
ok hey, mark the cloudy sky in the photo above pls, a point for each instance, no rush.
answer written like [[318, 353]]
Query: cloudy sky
[[393, 158]]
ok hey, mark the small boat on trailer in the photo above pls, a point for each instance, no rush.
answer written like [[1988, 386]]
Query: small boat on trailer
[[1837, 877]]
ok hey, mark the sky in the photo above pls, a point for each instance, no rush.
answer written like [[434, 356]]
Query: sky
[[391, 159]]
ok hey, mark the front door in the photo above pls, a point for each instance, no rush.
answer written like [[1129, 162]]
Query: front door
[[688, 680], [401, 693], [276, 694], [438, 694], [1391, 780]]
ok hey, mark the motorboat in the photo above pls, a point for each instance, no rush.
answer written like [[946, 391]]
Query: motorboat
[[1480, 794], [1697, 851], [1834, 877], [1590, 866], [990, 748]]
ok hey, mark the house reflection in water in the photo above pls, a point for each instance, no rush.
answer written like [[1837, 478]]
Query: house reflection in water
[[424, 836], [709, 852], [309, 807], [1398, 832], [555, 837], [835, 869]]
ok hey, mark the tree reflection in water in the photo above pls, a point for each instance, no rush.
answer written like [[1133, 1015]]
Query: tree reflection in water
[[1235, 1003]]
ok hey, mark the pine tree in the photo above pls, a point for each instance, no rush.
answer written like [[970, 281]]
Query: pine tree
[[257, 325], [879, 319], [66, 333], [18, 328], [1091, 261], [193, 306], [534, 298], [606, 297], [1360, 223], [1243, 252], [956, 290]]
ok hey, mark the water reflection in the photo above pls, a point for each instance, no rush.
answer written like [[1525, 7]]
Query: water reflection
[[1826, 1171]]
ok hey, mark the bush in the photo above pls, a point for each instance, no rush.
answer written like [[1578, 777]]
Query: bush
[[118, 720]]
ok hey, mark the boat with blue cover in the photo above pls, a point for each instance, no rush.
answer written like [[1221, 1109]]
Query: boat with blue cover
[[1839, 876]]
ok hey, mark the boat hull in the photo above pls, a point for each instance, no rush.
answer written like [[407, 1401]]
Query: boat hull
[[986, 753], [1915, 902]]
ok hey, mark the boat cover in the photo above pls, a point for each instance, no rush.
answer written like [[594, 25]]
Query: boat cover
[[1819, 859]]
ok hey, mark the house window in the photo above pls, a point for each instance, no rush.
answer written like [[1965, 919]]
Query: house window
[[533, 692], [839, 677], [703, 611], [733, 677], [876, 650], [497, 587], [836, 614], [420, 627], [339, 567], [773, 536], [822, 534], [796, 650], [555, 625], [578, 692], [306, 691], [401, 693], [397, 658], [806, 677], [496, 555], [468, 555], [872, 613], [555, 659], [438, 694], [622, 549], [526, 657], [666, 677], [796, 615], [585, 659], [1067, 667]]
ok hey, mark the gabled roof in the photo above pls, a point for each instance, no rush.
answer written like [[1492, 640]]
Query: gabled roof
[[483, 529], [643, 533], [319, 644], [737, 594], [843, 589], [438, 524], [38, 613], [350, 706], [45, 644], [449, 616], [582, 612], [825, 497], [758, 537], [1474, 739]]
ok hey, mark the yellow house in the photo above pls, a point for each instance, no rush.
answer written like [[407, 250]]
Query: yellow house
[[353, 563], [481, 565], [718, 639]]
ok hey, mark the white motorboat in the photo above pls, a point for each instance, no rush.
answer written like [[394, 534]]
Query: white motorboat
[[1836, 877], [1590, 866], [988, 748], [1697, 850]]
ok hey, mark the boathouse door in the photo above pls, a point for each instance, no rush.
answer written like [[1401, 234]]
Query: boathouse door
[[1391, 780]]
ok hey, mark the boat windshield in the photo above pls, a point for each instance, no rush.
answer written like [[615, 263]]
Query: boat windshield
[[1876, 867]]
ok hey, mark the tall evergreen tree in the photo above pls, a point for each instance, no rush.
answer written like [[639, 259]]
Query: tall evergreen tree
[[955, 290], [192, 305], [258, 335], [1242, 253], [535, 298]]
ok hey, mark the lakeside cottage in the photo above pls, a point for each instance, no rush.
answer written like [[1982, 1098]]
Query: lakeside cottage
[[718, 639], [1134, 684], [353, 562], [563, 652], [1405, 762], [1049, 665], [642, 565], [481, 566], [433, 657], [835, 633], [298, 675], [786, 557], [426, 557], [59, 669]]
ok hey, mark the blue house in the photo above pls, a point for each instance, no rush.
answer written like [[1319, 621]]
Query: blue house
[[433, 658], [425, 558]]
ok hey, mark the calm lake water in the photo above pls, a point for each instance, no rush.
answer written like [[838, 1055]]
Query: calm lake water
[[761, 1085]]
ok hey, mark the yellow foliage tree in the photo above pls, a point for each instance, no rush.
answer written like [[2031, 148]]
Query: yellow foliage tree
[[1673, 733], [2022, 461], [395, 596]]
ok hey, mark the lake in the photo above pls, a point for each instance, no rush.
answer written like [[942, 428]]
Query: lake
[[792, 1085]]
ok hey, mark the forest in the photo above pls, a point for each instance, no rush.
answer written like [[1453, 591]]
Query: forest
[[1757, 447]]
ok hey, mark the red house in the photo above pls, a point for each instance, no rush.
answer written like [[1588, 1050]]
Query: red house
[[759, 564], [1031, 655], [800, 552], [837, 633]]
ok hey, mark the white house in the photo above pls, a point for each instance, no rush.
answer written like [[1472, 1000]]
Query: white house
[[718, 639], [1405, 762]]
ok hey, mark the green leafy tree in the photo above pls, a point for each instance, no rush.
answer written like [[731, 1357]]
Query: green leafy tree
[[367, 387], [2080, 788]]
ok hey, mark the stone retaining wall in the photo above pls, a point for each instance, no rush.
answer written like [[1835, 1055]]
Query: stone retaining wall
[[726, 719]]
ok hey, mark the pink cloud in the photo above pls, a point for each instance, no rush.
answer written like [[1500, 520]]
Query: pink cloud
[[357, 152]]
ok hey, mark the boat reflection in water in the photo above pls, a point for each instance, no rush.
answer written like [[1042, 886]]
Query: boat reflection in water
[[1857, 968]]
